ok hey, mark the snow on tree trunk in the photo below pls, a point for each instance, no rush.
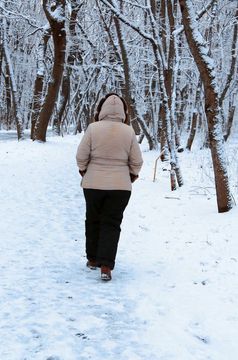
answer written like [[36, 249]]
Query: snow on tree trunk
[[192, 130], [38, 86], [64, 98], [206, 68], [66, 83], [13, 86], [193, 127], [231, 114], [55, 14]]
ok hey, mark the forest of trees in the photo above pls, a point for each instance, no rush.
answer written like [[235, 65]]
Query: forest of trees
[[174, 61]]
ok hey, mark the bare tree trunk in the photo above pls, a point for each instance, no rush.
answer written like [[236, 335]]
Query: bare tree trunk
[[1, 49], [37, 98], [64, 97], [206, 69], [9, 70], [65, 93], [152, 142], [192, 131], [162, 31], [231, 73], [231, 113], [171, 82], [184, 95], [230, 77], [163, 138], [173, 178], [8, 99], [128, 94], [55, 14], [193, 127]]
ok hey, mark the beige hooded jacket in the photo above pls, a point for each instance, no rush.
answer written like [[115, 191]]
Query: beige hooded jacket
[[109, 151]]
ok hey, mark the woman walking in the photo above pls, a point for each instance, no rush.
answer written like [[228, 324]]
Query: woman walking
[[109, 160]]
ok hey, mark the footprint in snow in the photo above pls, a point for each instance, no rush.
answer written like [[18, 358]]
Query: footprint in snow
[[197, 332], [82, 336], [144, 228], [203, 339]]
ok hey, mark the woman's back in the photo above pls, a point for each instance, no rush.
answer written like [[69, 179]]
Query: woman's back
[[113, 153]]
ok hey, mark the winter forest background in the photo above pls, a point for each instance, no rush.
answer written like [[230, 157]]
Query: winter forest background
[[175, 62], [174, 290]]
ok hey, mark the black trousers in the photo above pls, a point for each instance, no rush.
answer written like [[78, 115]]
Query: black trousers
[[104, 214]]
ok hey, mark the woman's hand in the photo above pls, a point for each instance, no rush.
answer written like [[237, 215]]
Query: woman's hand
[[133, 177], [82, 172]]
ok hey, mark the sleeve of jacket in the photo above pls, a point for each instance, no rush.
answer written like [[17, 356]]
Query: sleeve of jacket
[[135, 157], [84, 149]]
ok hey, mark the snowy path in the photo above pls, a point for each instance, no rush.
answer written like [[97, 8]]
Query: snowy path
[[175, 286]]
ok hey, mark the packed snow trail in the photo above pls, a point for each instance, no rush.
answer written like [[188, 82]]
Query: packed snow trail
[[174, 289]]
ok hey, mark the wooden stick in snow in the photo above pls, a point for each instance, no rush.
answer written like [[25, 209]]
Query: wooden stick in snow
[[156, 161]]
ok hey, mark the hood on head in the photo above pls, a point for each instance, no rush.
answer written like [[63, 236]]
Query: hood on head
[[112, 108]]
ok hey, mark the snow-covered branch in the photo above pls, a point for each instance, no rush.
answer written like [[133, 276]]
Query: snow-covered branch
[[129, 23], [55, 10], [7, 13], [197, 17]]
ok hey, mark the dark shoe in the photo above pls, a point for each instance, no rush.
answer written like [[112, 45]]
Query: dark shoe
[[91, 264], [106, 273]]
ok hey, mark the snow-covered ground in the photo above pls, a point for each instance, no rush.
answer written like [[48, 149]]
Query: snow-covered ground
[[174, 293]]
